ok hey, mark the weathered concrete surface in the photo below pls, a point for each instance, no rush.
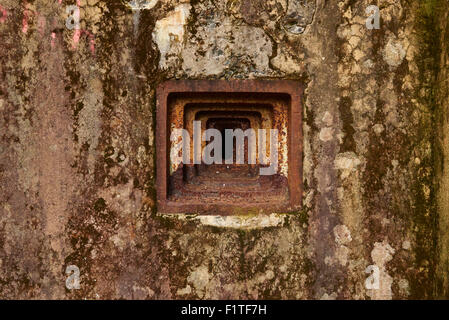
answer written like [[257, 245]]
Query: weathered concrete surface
[[442, 165], [77, 149]]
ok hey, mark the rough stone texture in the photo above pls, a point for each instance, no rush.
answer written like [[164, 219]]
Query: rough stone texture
[[77, 149]]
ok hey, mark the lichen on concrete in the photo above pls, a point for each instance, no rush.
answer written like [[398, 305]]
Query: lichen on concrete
[[77, 151]]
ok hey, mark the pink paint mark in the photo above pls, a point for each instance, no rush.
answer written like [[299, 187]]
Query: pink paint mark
[[25, 23], [53, 37], [76, 38], [92, 42], [26, 16], [59, 1], [4, 14], [56, 38]]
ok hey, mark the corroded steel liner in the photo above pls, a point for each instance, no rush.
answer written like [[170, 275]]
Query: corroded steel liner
[[288, 122]]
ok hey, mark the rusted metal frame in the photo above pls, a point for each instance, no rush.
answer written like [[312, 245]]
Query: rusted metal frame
[[295, 143]]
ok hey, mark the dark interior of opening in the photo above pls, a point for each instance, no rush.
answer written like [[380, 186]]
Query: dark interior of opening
[[221, 124], [226, 176], [227, 182]]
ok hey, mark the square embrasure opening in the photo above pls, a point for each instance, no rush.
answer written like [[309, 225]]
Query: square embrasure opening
[[226, 186]]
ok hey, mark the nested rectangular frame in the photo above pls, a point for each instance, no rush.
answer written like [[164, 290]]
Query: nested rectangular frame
[[295, 141], [191, 112]]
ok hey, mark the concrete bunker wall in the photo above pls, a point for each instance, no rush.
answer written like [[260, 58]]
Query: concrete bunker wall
[[78, 152]]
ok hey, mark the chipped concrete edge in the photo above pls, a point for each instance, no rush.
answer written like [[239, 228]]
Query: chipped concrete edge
[[247, 222]]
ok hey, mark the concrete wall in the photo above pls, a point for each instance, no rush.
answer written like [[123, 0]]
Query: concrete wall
[[77, 151]]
